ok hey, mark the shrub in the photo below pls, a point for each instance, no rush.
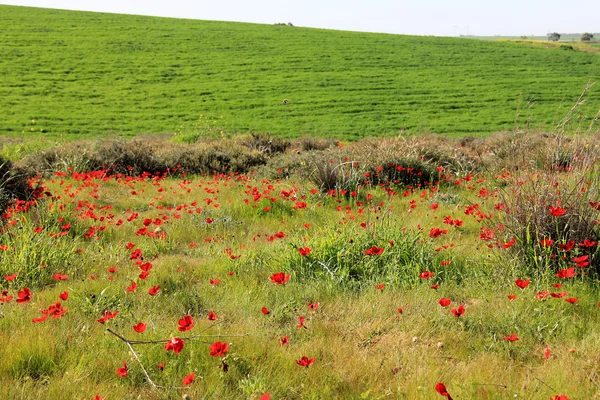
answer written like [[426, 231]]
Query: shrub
[[265, 143], [545, 241], [13, 184]]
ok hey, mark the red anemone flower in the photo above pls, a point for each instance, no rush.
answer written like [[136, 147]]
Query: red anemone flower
[[557, 211], [189, 379], [153, 290], [304, 251], [123, 371], [174, 344], [444, 302], [563, 273], [442, 391], [426, 274], [522, 284], [218, 349], [24, 295], [280, 278], [457, 312], [284, 341], [11, 277], [374, 251], [186, 323], [511, 338], [305, 361]]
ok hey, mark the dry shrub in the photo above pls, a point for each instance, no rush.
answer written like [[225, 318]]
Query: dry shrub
[[311, 144], [13, 184], [564, 173], [265, 143], [134, 157], [515, 151]]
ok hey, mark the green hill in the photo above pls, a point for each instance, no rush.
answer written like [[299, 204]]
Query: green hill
[[80, 73]]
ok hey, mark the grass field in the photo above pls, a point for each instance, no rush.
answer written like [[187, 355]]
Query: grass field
[[471, 265], [79, 74]]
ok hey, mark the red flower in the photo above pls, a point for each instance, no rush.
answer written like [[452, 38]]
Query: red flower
[[541, 295], [563, 273], [313, 306], [380, 286], [304, 251], [214, 282], [60, 277], [175, 344], [64, 295], [212, 316], [284, 341], [442, 391], [55, 311], [560, 397], [444, 302], [11, 277], [437, 232], [123, 371], [24, 295], [301, 323], [218, 349], [280, 278], [511, 297], [582, 261], [572, 300], [457, 312], [374, 251], [108, 315], [305, 361], [522, 284], [189, 379], [140, 327], [546, 242], [40, 319], [153, 290], [511, 338], [426, 274], [186, 323], [509, 244], [265, 311], [547, 353], [557, 211]]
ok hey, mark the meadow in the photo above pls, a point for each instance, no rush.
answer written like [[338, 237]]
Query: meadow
[[412, 268], [69, 75]]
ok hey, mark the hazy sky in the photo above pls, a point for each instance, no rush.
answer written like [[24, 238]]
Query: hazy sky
[[432, 17]]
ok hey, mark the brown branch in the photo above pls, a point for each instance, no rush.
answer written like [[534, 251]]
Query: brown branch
[[130, 344]]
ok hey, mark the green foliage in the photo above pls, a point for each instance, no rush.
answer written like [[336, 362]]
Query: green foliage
[[554, 36], [87, 74], [586, 37]]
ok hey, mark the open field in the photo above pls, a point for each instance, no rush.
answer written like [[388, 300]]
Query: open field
[[80, 74], [391, 265]]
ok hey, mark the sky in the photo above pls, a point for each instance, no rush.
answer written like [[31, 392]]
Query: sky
[[432, 17]]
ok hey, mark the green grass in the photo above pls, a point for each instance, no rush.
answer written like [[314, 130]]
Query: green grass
[[82, 74]]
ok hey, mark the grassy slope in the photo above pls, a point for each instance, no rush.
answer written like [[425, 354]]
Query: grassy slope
[[93, 74]]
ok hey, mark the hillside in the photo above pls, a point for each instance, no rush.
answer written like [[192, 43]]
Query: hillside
[[89, 74]]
